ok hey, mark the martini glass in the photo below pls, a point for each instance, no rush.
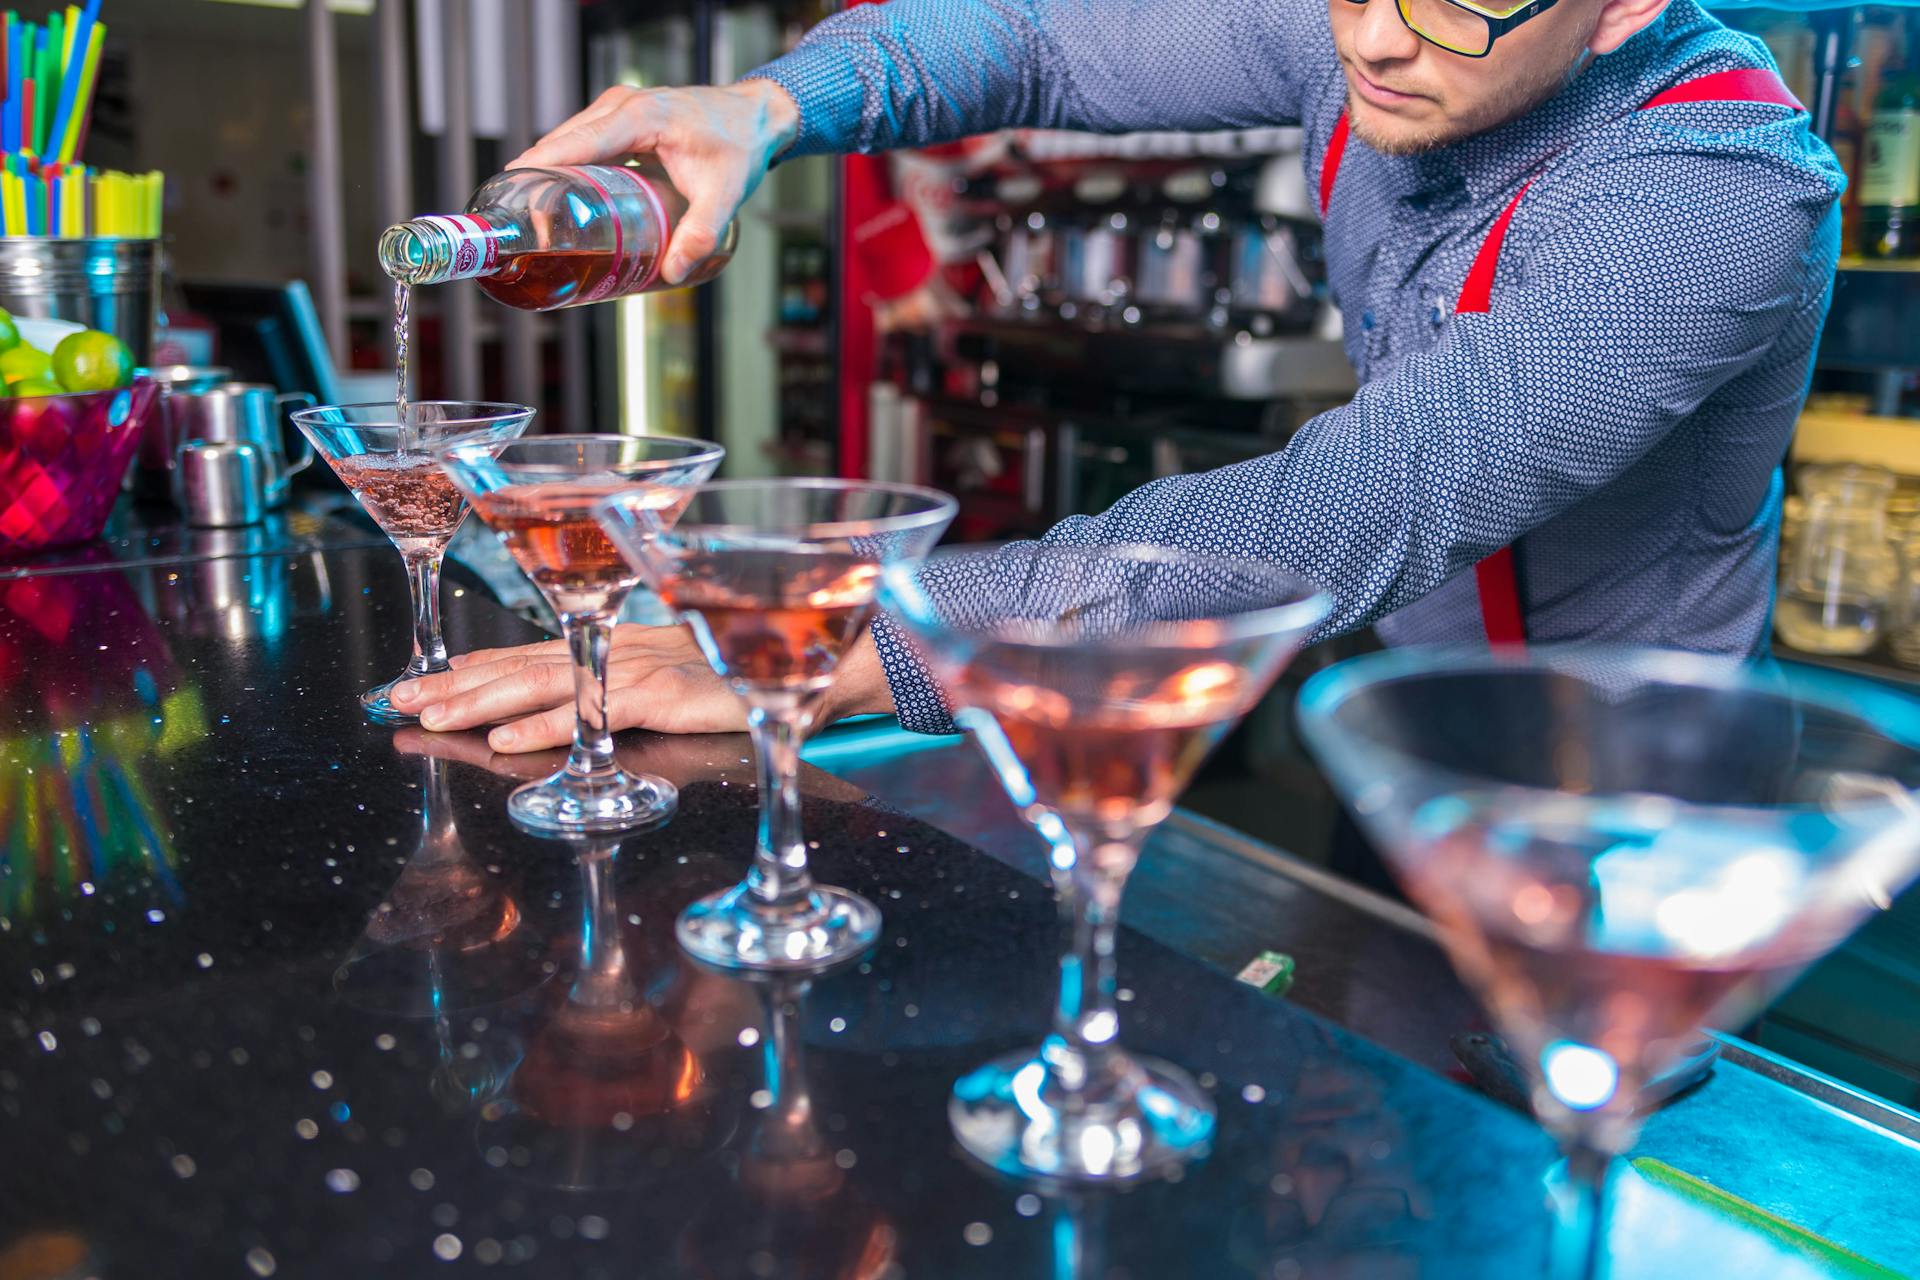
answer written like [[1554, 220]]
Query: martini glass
[[777, 578], [1620, 847], [387, 461], [1096, 679], [538, 497]]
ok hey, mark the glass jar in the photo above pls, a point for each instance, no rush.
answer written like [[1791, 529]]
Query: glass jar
[[1840, 579], [1903, 634]]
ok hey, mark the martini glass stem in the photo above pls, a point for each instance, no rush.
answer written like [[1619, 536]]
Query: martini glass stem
[[1580, 1215], [429, 649], [589, 640], [779, 876], [1085, 1018]]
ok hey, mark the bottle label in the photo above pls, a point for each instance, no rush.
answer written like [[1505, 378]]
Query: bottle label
[[634, 268], [476, 250], [1892, 177]]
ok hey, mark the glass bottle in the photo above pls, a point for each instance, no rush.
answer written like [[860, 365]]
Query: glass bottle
[[541, 239], [1890, 178], [1840, 581]]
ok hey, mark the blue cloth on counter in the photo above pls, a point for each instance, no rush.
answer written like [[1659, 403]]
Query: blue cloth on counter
[[1620, 413]]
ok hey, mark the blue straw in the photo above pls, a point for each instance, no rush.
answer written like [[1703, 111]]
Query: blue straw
[[36, 207], [70, 82], [10, 124]]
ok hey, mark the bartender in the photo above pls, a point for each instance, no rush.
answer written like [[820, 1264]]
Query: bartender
[[1583, 250]]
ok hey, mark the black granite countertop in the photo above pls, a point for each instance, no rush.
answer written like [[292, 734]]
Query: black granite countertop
[[225, 1050]]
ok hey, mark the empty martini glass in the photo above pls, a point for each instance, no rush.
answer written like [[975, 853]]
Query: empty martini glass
[[538, 497], [777, 578], [387, 461], [1620, 847], [1096, 679]]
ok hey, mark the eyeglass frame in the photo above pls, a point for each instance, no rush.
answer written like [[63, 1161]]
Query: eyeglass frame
[[1497, 25]]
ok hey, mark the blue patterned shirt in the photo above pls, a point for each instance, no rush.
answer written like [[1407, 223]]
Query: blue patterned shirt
[[1621, 412]]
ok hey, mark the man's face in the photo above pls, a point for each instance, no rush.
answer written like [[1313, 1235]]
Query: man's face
[[1405, 95]]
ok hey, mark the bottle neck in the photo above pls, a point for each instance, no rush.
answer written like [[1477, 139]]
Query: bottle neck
[[438, 249]]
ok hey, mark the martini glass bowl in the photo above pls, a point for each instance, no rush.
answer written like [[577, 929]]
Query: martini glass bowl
[[538, 496], [387, 462], [1619, 847], [1095, 679], [777, 579]]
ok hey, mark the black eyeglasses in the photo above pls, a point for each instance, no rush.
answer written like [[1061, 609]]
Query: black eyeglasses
[[1462, 28]]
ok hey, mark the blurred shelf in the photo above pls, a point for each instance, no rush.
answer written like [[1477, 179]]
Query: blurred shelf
[[1875, 666], [1910, 266]]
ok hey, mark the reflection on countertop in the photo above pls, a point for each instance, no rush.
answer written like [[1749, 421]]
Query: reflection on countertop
[[336, 1017]]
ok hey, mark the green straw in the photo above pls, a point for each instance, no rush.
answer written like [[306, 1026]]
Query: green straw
[[1843, 1262]]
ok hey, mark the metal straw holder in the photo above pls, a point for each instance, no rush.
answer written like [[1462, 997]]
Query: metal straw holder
[[102, 282]]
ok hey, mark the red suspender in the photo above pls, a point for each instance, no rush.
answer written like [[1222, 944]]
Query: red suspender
[[1498, 584], [1330, 163], [1748, 84]]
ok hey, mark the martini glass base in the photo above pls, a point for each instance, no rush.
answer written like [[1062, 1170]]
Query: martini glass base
[[1008, 1115], [379, 707], [734, 930], [574, 804]]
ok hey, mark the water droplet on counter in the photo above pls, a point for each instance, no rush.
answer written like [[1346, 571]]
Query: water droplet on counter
[[204, 960], [1027, 1206], [184, 1167], [48, 1041], [760, 1099], [749, 1037], [594, 1227], [155, 915], [486, 1251], [845, 1158], [63, 971], [1124, 995], [322, 1079], [306, 1129], [260, 1262], [384, 1042], [1254, 1093], [977, 1233], [446, 1247], [90, 1026], [838, 1024], [342, 1181], [422, 1179]]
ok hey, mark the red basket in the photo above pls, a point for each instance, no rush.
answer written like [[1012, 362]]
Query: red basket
[[61, 462]]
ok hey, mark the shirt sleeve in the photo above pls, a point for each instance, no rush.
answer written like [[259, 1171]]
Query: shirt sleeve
[[1620, 315], [914, 72]]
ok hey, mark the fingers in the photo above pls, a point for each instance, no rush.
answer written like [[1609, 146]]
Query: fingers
[[697, 236], [504, 691], [544, 649], [550, 728], [618, 124], [410, 695]]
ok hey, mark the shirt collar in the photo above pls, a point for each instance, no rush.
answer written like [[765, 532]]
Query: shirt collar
[[1492, 164]]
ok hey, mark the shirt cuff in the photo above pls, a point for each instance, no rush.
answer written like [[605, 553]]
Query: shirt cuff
[[829, 92], [917, 697]]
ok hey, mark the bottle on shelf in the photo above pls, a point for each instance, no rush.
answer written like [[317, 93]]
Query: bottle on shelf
[[542, 239], [1890, 178]]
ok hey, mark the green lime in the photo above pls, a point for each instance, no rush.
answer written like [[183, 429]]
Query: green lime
[[9, 332], [27, 387], [24, 361], [91, 361]]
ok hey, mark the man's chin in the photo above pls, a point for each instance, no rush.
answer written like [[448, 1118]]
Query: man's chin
[[1395, 135]]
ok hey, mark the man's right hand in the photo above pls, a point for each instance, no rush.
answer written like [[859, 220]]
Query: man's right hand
[[715, 143]]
